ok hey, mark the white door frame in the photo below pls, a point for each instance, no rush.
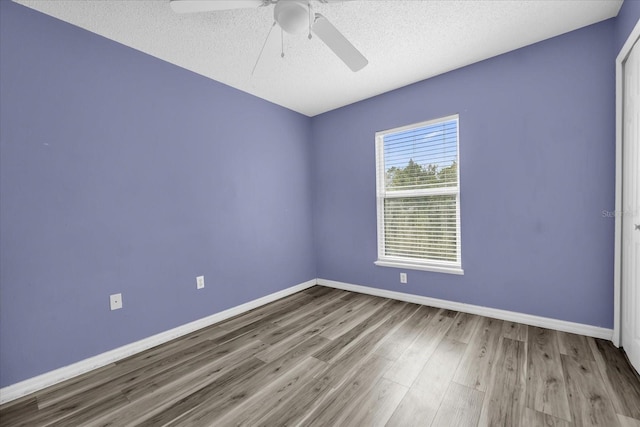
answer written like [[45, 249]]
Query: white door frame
[[617, 266]]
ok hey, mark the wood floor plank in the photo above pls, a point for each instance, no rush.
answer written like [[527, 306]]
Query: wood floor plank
[[407, 367], [220, 401], [505, 396], [402, 338], [203, 350], [281, 390], [290, 413], [354, 354], [344, 398], [375, 407], [514, 331], [416, 409], [83, 406], [243, 319], [19, 411], [369, 321], [174, 346], [224, 365], [79, 418], [475, 368], [168, 403], [221, 367], [147, 384], [628, 422], [281, 333], [122, 389], [441, 366], [79, 405], [575, 346], [320, 291], [130, 367], [67, 389], [275, 310], [296, 316], [546, 389], [588, 399], [352, 295], [621, 380], [347, 323], [258, 328], [460, 406], [463, 328], [326, 318], [420, 404], [288, 329], [533, 418]]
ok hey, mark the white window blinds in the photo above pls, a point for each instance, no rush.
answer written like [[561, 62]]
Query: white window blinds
[[418, 195]]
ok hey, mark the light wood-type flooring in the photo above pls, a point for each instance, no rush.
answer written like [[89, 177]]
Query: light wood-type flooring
[[326, 357]]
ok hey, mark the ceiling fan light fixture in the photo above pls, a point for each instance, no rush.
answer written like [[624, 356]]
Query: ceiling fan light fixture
[[292, 15]]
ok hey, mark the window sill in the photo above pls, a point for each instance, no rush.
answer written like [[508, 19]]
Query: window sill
[[423, 267]]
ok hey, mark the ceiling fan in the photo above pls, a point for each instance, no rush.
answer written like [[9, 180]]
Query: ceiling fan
[[293, 16]]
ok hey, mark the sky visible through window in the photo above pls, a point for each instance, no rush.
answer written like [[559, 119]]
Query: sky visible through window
[[435, 145]]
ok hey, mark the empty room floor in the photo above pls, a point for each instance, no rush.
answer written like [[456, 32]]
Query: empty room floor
[[327, 357]]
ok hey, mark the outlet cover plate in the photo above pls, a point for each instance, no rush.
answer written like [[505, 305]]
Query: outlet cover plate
[[403, 277], [116, 301], [200, 282]]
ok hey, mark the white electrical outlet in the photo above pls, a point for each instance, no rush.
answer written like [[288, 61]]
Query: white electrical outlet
[[403, 277], [116, 301], [200, 282]]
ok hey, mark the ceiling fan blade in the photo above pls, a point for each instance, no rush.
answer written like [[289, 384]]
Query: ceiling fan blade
[[194, 6], [338, 43]]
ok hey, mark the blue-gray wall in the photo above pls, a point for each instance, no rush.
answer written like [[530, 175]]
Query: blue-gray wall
[[122, 173], [537, 162], [626, 20]]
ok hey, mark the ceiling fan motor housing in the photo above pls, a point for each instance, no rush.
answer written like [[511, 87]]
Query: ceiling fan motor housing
[[292, 15]]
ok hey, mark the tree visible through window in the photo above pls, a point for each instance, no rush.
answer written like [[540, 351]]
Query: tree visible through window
[[418, 196]]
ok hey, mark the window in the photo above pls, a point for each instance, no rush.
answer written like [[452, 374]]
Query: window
[[417, 169]]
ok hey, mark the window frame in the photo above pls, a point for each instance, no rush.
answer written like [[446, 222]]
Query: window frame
[[426, 264]]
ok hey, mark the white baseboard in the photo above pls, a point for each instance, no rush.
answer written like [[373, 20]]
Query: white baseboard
[[50, 378], [512, 316]]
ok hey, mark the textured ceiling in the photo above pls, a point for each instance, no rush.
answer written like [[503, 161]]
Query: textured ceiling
[[404, 41]]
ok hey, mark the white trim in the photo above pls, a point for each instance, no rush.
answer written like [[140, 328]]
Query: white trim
[[382, 194], [420, 266], [417, 125], [50, 378], [617, 260], [512, 316], [434, 191]]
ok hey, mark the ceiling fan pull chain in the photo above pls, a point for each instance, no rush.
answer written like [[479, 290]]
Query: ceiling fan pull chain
[[282, 42], [310, 23], [262, 50]]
